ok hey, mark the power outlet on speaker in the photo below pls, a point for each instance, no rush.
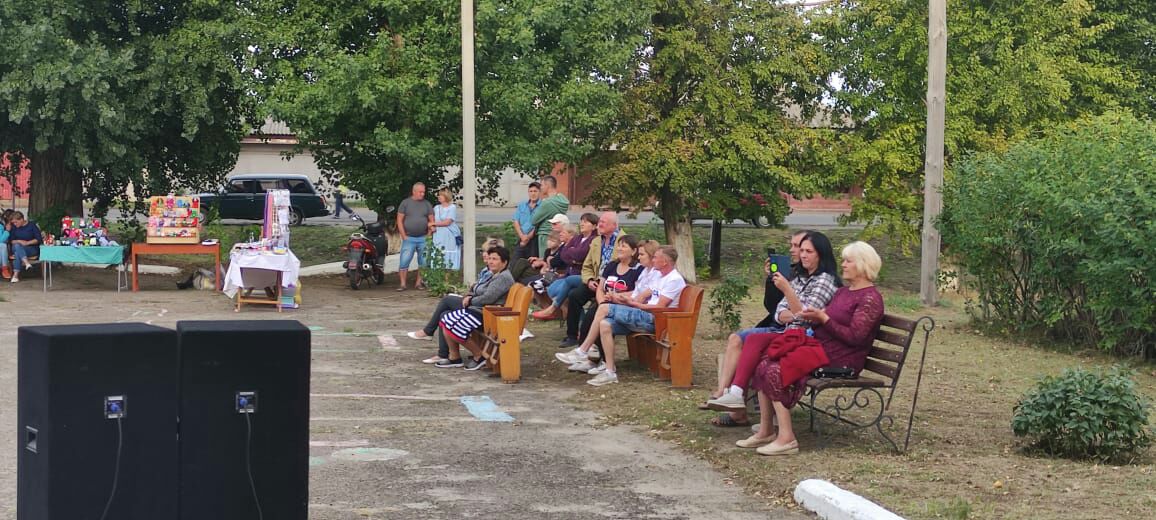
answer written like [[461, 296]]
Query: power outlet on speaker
[[246, 402], [115, 406]]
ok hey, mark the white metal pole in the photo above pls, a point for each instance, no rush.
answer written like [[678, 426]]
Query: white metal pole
[[469, 182], [933, 163]]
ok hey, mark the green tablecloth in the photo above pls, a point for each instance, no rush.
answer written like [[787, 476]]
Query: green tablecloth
[[107, 255]]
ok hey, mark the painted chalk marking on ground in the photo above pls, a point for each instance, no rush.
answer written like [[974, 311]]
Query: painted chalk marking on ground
[[485, 409], [384, 396], [338, 444], [388, 343]]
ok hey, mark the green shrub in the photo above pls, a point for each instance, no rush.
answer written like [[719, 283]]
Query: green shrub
[[726, 303], [1056, 235], [1083, 414]]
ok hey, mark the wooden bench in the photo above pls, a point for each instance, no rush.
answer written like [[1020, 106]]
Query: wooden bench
[[886, 361], [499, 339], [668, 353]]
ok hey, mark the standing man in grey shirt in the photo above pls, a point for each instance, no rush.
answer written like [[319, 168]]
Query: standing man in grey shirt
[[415, 217]]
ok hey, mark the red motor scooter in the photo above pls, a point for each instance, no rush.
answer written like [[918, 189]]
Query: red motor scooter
[[366, 250]]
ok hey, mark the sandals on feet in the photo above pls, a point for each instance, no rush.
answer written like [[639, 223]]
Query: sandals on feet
[[724, 420]]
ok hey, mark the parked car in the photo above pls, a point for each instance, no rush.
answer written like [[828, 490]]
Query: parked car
[[243, 197]]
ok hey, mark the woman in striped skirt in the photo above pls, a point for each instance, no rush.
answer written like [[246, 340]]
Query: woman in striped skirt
[[457, 325]]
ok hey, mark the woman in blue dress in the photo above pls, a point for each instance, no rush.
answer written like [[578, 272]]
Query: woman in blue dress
[[446, 229]]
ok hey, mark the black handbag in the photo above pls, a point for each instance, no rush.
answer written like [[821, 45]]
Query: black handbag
[[834, 373]]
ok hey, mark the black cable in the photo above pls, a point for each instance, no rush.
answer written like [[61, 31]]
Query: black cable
[[249, 464], [115, 471]]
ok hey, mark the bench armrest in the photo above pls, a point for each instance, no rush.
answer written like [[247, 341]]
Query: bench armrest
[[504, 312]]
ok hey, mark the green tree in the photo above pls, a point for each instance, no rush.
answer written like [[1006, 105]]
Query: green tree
[[1015, 68], [704, 119], [374, 88], [101, 95], [1132, 43]]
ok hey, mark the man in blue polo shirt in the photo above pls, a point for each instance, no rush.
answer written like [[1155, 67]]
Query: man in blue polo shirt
[[524, 223], [25, 239]]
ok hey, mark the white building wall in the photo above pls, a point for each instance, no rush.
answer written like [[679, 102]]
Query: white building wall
[[267, 158]]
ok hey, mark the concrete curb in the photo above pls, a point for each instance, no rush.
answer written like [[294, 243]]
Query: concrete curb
[[831, 502], [332, 268]]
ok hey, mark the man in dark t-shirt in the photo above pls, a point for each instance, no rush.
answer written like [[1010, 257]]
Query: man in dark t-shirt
[[414, 219], [25, 238]]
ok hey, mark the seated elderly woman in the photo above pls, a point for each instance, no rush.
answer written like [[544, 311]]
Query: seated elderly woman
[[449, 303], [845, 329], [456, 326], [572, 254]]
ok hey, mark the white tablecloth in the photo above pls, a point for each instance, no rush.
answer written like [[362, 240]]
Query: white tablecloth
[[258, 271]]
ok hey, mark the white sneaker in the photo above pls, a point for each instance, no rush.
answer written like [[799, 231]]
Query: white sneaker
[[15, 277], [581, 366], [727, 402], [597, 370], [571, 356], [594, 354], [526, 334], [604, 378], [413, 335]]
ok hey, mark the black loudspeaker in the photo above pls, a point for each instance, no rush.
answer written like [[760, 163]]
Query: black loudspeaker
[[244, 408], [97, 405]]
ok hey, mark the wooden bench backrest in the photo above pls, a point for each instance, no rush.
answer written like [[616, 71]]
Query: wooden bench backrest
[[519, 300], [691, 301], [892, 343]]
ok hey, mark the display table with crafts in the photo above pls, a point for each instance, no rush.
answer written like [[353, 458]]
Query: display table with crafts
[[263, 270], [96, 255], [146, 249]]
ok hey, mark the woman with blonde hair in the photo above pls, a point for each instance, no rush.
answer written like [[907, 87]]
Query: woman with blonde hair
[[447, 234]]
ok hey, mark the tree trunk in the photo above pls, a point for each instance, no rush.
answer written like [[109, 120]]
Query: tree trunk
[[715, 252], [679, 235], [52, 184]]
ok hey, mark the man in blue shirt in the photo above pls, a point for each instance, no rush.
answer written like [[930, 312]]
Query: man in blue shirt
[[25, 239], [524, 224]]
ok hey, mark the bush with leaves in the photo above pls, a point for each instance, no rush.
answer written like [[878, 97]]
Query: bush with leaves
[[439, 279], [1085, 415], [1057, 234], [726, 303]]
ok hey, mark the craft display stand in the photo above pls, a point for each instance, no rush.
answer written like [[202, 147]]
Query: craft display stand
[[174, 220]]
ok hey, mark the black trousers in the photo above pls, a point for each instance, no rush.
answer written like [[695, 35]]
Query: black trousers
[[448, 303], [528, 250], [577, 300]]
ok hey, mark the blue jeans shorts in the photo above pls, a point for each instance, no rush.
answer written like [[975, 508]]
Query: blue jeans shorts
[[625, 319], [742, 334], [409, 247]]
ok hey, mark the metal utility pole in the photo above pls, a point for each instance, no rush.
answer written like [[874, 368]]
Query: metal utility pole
[[469, 181], [933, 163]]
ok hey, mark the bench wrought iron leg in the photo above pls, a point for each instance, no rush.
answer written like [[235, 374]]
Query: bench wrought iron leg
[[928, 326]]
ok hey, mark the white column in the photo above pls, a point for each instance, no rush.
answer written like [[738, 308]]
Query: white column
[[469, 182], [933, 163]]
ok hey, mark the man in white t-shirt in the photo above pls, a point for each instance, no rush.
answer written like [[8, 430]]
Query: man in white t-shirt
[[663, 291]]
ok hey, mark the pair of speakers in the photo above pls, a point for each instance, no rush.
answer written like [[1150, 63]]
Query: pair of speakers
[[129, 421]]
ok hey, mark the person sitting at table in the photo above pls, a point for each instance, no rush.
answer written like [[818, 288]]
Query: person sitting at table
[[456, 326], [5, 269], [25, 239]]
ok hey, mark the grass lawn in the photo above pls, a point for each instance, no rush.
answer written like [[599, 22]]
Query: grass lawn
[[963, 462]]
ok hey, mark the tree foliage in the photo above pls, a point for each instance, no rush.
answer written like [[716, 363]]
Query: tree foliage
[[704, 119], [374, 88], [1014, 68], [100, 95]]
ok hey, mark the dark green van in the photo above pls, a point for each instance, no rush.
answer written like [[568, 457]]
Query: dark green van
[[243, 197]]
